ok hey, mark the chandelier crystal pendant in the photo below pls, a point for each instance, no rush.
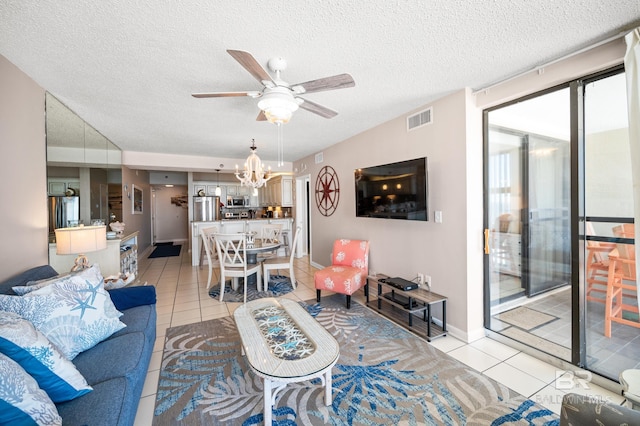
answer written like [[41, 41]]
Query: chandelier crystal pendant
[[254, 174]]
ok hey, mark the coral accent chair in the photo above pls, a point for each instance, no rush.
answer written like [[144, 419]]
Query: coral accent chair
[[348, 271]]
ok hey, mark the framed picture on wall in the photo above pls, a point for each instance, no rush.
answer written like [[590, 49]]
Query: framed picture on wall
[[136, 205]]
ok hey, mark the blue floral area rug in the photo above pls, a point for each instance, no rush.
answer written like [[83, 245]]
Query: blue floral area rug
[[278, 285], [384, 376]]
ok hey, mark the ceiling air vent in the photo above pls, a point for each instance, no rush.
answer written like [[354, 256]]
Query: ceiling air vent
[[420, 119]]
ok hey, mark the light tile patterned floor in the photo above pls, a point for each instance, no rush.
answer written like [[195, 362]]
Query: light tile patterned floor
[[183, 299]]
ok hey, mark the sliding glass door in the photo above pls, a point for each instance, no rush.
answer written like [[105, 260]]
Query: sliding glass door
[[558, 212], [528, 221], [610, 347]]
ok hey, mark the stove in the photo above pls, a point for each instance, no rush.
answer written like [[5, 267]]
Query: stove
[[236, 215]]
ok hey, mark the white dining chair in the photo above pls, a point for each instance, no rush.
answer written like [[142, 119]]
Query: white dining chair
[[271, 233], [281, 262], [208, 244], [232, 256]]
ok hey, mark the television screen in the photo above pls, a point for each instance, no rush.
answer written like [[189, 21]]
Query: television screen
[[393, 191]]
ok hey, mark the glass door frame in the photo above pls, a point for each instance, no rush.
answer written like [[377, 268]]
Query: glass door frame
[[577, 208]]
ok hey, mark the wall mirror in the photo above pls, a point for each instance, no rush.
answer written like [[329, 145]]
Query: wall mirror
[[84, 170]]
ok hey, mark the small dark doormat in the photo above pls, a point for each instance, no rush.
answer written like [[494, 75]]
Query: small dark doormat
[[165, 251], [170, 243]]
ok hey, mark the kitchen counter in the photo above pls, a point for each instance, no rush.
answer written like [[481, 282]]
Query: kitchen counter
[[231, 226]]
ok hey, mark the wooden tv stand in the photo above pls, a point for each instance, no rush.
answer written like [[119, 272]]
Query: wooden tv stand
[[401, 306]]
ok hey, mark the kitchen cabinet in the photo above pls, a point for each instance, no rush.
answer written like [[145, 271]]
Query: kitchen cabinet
[[59, 186], [245, 190], [239, 190], [278, 192], [287, 191], [197, 187]]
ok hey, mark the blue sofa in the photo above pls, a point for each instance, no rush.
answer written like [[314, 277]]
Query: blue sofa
[[116, 368]]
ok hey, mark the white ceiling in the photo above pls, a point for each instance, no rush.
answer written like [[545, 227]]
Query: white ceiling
[[129, 67]]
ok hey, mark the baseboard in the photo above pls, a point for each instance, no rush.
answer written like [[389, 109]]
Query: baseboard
[[316, 265], [464, 336]]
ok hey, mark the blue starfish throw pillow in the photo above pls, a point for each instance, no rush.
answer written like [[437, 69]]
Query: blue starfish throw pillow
[[74, 313]]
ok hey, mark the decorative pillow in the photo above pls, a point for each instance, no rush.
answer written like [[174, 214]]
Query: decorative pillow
[[22, 402], [56, 375], [74, 315], [90, 274], [35, 285]]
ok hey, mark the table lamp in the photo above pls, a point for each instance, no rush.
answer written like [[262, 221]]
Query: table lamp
[[80, 240]]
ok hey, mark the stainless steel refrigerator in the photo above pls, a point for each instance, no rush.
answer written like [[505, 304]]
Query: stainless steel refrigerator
[[63, 212], [206, 209]]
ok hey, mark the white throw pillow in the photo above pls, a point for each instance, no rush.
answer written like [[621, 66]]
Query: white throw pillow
[[22, 401], [55, 374], [75, 312]]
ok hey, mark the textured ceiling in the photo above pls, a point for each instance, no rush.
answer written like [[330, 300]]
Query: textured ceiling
[[129, 67]]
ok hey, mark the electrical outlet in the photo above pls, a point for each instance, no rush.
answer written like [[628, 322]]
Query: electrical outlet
[[420, 278], [427, 280]]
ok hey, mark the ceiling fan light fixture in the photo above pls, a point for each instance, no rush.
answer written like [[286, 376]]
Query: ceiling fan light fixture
[[278, 115], [278, 105], [254, 174]]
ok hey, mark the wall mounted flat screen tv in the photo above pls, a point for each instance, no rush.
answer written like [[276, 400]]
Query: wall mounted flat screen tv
[[394, 191]]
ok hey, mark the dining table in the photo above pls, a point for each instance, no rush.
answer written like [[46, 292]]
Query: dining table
[[256, 246]]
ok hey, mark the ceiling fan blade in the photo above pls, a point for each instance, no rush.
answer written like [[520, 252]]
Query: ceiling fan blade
[[261, 116], [322, 111], [252, 94], [250, 64], [340, 81]]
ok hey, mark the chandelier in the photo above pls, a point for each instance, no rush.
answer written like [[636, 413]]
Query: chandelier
[[254, 174]]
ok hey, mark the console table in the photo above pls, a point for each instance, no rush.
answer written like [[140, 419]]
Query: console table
[[401, 306], [120, 256]]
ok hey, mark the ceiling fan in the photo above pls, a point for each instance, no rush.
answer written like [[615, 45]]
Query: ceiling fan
[[279, 99]]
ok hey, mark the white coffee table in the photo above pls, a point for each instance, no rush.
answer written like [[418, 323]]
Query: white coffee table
[[284, 344]]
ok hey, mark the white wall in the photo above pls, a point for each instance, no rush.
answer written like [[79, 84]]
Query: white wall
[[137, 222], [23, 172], [171, 221]]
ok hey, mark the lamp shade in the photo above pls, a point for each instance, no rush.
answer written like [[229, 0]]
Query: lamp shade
[[81, 239]]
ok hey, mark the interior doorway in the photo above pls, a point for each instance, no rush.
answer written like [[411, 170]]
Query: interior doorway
[[302, 216], [169, 214]]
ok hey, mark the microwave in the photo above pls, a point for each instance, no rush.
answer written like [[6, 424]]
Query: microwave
[[237, 201]]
